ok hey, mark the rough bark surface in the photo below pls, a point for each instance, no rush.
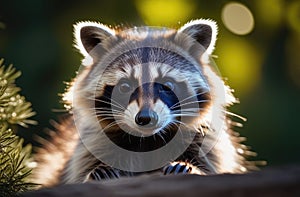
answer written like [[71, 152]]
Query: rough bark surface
[[280, 181]]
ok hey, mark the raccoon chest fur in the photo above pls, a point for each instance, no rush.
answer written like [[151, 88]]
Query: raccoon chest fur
[[146, 99]]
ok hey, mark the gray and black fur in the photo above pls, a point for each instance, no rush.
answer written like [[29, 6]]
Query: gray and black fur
[[142, 86]]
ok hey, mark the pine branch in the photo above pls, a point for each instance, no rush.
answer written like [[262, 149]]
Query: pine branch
[[14, 158]]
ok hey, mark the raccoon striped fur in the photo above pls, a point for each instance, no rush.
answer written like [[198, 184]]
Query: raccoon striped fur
[[146, 99]]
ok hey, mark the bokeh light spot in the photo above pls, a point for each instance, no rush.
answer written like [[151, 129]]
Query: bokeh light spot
[[2, 25], [270, 13], [240, 62], [165, 12], [237, 18], [293, 15]]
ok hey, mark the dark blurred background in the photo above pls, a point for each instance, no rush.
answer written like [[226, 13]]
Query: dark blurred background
[[258, 53]]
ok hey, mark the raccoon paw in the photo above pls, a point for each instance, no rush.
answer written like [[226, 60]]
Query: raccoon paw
[[178, 168], [103, 173]]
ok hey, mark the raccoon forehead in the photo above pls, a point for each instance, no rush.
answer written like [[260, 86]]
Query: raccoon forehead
[[145, 55], [152, 71], [148, 66], [146, 32], [143, 73]]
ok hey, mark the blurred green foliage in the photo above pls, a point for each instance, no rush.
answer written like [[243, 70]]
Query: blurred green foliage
[[262, 66]]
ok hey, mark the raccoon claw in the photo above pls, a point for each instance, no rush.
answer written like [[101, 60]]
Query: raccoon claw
[[103, 173], [177, 168]]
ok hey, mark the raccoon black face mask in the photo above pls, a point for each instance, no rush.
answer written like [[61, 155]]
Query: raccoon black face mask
[[146, 99]]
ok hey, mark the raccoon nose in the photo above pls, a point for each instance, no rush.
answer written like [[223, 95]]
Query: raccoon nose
[[146, 117]]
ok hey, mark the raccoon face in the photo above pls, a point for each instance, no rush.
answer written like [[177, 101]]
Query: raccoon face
[[146, 103], [145, 80]]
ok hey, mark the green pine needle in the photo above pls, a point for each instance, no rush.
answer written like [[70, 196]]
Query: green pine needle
[[14, 158]]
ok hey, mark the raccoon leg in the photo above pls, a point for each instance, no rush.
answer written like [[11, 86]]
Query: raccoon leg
[[177, 168], [192, 161], [181, 168]]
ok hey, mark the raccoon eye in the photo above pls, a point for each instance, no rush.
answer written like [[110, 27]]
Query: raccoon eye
[[125, 87], [168, 86]]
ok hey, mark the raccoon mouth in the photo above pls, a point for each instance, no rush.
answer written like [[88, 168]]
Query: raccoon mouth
[[146, 128]]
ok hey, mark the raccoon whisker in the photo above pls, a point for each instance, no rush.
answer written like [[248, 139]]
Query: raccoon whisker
[[184, 112], [189, 97], [192, 128], [129, 139], [104, 109], [118, 104], [111, 125], [141, 138], [107, 118], [178, 113], [157, 134], [85, 109], [183, 115], [112, 100], [163, 131], [180, 122], [181, 133], [154, 137], [188, 103], [235, 115], [110, 113], [113, 103], [189, 109], [179, 128], [112, 117], [107, 110]]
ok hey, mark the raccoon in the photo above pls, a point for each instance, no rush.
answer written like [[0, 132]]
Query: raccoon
[[146, 100]]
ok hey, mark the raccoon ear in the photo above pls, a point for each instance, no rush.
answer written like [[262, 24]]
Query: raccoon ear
[[89, 34], [203, 31]]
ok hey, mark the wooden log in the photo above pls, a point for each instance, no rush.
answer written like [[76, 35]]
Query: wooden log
[[273, 182]]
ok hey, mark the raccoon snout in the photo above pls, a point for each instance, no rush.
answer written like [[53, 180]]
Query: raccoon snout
[[146, 117]]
